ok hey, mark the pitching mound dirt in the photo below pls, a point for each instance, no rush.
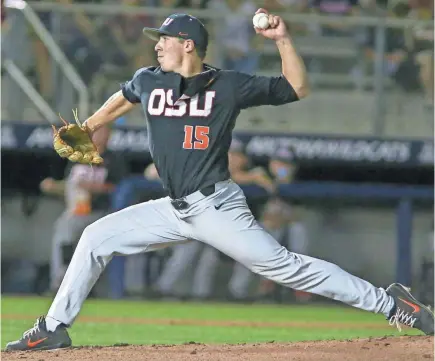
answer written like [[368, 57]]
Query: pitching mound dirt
[[406, 348]]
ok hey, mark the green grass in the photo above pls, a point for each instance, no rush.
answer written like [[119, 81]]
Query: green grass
[[18, 314]]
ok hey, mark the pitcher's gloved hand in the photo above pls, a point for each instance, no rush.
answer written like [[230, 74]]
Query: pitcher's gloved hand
[[73, 141]]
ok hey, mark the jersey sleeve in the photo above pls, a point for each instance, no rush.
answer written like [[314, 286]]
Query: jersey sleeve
[[253, 90], [132, 89]]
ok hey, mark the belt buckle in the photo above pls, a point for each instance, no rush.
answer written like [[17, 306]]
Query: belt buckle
[[179, 204]]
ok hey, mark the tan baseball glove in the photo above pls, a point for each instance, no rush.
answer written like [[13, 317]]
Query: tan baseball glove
[[73, 141]]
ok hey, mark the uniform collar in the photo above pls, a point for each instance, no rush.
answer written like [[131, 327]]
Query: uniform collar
[[199, 82]]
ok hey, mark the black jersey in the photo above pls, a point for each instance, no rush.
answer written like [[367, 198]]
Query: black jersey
[[190, 121]]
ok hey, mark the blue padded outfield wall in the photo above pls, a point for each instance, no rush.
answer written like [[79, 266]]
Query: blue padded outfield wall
[[307, 147]]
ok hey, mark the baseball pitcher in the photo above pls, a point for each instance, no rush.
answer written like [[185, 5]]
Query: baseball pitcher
[[190, 109]]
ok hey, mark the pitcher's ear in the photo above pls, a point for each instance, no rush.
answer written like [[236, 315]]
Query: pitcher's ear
[[189, 45]]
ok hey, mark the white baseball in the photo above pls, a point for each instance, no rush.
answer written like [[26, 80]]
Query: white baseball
[[261, 21]]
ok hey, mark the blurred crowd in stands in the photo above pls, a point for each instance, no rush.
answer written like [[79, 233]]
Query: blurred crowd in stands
[[109, 48]]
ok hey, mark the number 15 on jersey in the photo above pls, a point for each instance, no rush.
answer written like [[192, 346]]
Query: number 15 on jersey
[[196, 137]]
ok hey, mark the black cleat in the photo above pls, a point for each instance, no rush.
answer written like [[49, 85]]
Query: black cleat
[[38, 338], [408, 311]]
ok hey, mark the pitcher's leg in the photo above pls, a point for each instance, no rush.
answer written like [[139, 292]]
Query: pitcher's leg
[[233, 230], [241, 277], [140, 228]]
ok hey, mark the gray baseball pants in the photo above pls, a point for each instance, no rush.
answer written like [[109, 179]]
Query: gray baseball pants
[[231, 229], [208, 263]]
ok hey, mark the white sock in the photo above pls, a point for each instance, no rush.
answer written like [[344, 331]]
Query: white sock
[[51, 323]]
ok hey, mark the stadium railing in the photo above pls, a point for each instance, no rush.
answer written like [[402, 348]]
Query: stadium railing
[[19, 77]]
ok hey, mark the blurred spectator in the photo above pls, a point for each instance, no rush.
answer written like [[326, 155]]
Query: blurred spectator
[[86, 191], [3, 14], [372, 7], [16, 45], [408, 61], [326, 32], [242, 171], [43, 69], [168, 3], [132, 50], [43, 64], [79, 38], [234, 35], [287, 5], [184, 255], [422, 44], [195, 4], [282, 166], [293, 6], [38, 63], [76, 35], [123, 48], [337, 8], [137, 186]]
